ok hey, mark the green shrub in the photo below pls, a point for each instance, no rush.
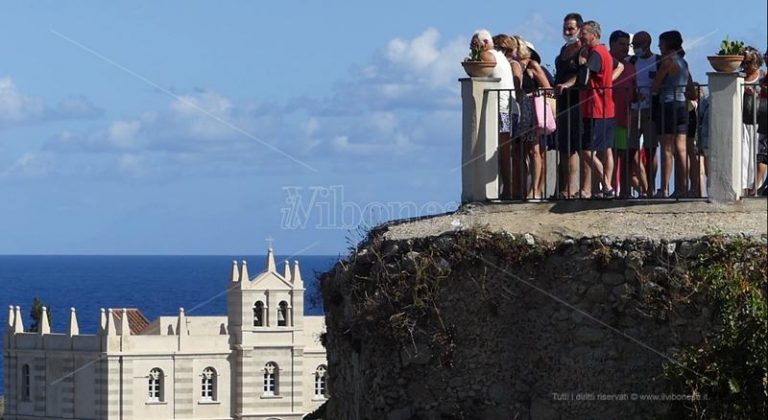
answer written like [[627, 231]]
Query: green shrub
[[729, 47], [729, 370]]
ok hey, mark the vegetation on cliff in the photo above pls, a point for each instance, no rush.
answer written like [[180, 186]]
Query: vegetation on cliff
[[482, 324], [729, 369]]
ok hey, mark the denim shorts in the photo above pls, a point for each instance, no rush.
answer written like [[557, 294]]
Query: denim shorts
[[597, 134]]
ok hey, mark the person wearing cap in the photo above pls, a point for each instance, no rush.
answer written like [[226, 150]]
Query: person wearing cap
[[533, 79], [547, 142]]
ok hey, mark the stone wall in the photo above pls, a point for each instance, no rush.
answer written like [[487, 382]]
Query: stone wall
[[479, 325]]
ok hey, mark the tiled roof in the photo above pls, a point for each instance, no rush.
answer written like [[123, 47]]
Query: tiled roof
[[137, 322]]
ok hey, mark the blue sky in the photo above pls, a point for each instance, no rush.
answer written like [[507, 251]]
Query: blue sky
[[190, 127]]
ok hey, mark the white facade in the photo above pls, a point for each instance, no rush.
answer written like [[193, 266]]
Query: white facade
[[263, 360]]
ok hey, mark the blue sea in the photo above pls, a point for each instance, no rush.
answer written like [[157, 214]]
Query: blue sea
[[157, 285]]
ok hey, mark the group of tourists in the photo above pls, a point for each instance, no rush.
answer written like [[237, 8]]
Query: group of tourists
[[608, 113]]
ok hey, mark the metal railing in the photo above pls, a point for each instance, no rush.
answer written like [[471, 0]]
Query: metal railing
[[652, 152]]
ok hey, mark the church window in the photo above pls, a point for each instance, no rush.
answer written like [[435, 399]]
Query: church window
[[282, 314], [26, 387], [321, 384], [155, 385], [270, 379], [209, 384], [258, 314]]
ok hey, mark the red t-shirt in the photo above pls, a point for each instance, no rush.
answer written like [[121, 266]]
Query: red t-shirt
[[597, 98], [623, 92]]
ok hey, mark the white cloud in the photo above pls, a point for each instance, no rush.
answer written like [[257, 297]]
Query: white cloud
[[18, 108], [403, 102], [123, 133], [29, 165], [15, 106]]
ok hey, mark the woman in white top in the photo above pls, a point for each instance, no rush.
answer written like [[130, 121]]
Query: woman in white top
[[483, 41], [751, 67], [506, 46]]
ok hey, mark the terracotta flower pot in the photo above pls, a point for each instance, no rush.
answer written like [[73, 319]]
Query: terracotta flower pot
[[478, 68], [725, 63]]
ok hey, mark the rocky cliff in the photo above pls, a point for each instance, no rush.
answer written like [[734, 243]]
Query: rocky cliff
[[483, 321]]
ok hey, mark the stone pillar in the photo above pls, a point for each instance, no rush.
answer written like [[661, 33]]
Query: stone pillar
[[725, 131], [289, 316], [479, 157]]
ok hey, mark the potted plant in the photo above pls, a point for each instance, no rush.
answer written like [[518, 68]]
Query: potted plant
[[475, 66], [729, 58]]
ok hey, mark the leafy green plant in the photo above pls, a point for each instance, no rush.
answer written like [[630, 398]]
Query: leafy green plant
[[729, 370], [730, 47], [475, 54]]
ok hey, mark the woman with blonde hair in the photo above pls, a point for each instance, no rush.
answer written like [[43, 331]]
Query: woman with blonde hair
[[506, 46], [534, 82], [750, 170]]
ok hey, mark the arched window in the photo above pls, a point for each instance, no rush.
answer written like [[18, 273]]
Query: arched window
[[209, 384], [26, 388], [155, 385], [321, 384], [282, 314], [258, 314], [271, 373]]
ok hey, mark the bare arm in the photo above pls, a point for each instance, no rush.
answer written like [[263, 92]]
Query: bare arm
[[517, 77], [617, 71], [660, 76], [487, 55], [562, 86], [539, 74]]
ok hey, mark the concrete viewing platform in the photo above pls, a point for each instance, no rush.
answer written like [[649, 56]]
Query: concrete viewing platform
[[669, 220]]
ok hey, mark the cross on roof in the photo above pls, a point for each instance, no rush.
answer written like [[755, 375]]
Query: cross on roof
[[269, 240]]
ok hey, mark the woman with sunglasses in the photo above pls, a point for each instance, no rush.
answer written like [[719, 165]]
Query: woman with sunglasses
[[750, 172]]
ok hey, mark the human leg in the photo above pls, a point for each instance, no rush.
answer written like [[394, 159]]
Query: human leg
[[504, 165], [667, 157], [681, 165], [518, 169], [534, 156]]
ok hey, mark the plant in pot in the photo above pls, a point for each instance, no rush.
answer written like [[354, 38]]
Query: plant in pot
[[730, 56], [474, 64]]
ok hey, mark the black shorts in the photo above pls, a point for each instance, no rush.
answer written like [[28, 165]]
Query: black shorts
[[568, 134], [673, 118]]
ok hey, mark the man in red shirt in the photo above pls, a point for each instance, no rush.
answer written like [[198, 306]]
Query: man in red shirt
[[597, 110]]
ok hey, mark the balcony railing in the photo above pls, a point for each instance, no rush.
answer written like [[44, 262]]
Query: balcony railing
[[530, 164]]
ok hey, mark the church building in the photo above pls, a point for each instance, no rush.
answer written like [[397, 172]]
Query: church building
[[262, 360]]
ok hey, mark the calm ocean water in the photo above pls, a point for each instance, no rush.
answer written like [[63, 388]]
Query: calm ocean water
[[157, 285]]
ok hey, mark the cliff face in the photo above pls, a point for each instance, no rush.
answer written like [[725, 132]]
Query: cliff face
[[481, 325]]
